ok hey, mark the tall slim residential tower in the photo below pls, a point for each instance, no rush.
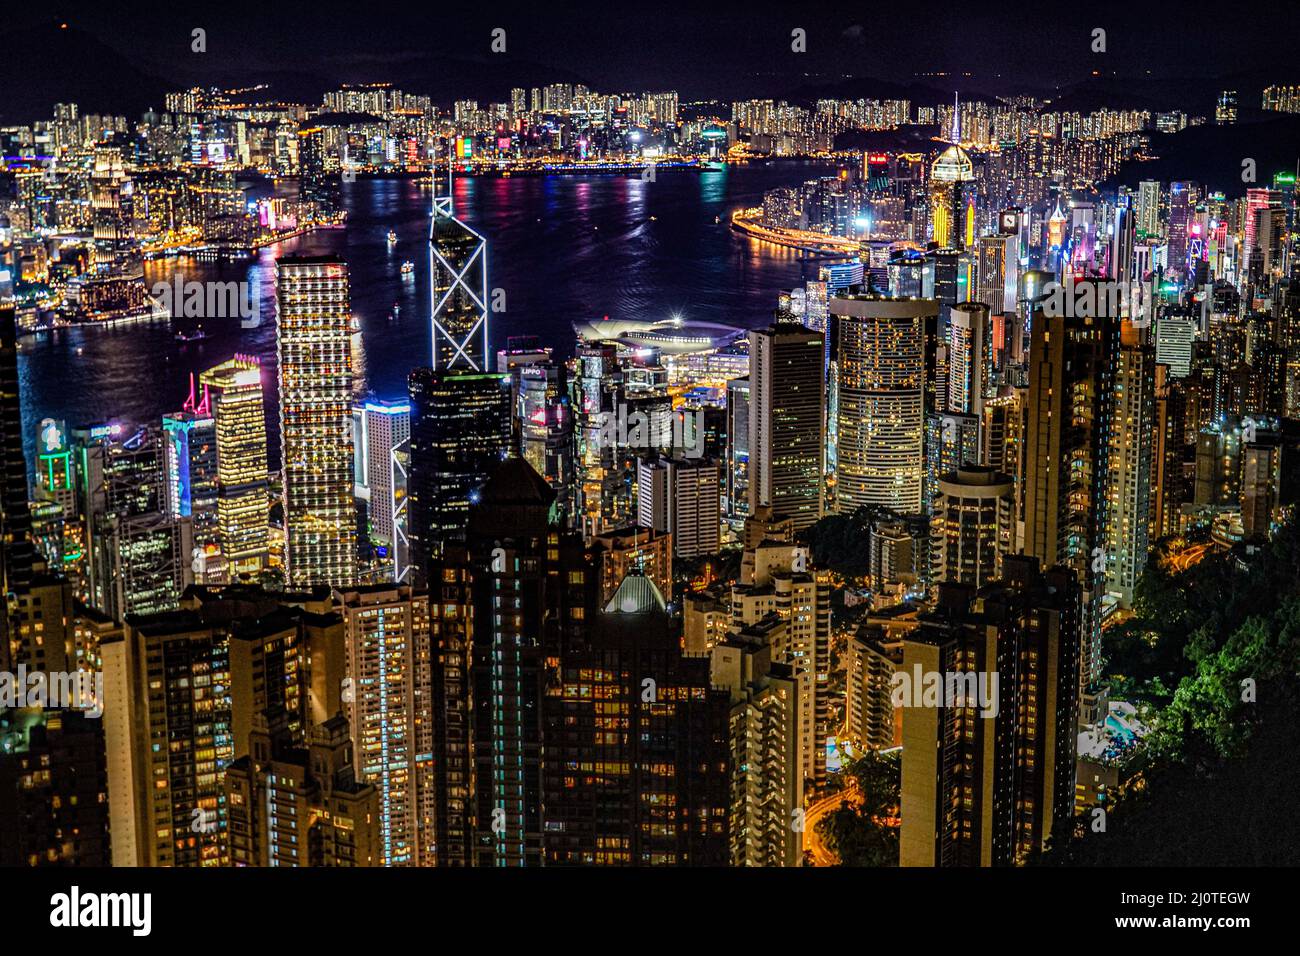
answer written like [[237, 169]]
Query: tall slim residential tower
[[234, 394], [16, 550], [314, 343], [787, 422], [1068, 457], [1133, 441], [378, 427], [387, 629], [736, 473], [970, 357], [882, 383], [766, 787], [776, 580], [458, 286]]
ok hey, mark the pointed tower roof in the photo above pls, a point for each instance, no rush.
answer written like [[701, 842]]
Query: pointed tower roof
[[637, 594], [516, 482], [954, 164], [514, 501]]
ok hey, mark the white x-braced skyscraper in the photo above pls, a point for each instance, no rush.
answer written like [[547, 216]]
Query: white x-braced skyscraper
[[458, 286]]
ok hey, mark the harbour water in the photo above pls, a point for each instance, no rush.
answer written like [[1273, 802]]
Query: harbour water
[[559, 247]]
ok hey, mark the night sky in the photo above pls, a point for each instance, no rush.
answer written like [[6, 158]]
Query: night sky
[[725, 49]]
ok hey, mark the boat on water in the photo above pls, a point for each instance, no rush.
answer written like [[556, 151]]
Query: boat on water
[[408, 268], [392, 237], [198, 335]]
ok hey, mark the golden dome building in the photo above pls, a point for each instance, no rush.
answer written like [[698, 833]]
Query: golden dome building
[[952, 206]]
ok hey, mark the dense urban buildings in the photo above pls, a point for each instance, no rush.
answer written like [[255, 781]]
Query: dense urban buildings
[[719, 482]]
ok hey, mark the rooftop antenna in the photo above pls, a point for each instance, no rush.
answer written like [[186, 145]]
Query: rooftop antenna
[[442, 204], [956, 119]]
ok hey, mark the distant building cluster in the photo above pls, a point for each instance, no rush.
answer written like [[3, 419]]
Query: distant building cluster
[[540, 610]]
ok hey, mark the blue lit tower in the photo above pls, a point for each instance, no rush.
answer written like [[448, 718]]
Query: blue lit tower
[[458, 284]]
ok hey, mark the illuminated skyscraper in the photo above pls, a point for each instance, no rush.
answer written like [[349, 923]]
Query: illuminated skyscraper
[[1148, 209], [736, 473], [882, 381], [318, 185], [387, 629], [1256, 199], [460, 432], [140, 558], [1175, 340], [458, 287], [190, 463], [377, 429], [787, 422], [970, 357], [1068, 457], [314, 344], [234, 392], [1182, 204], [16, 550], [544, 422], [952, 218], [997, 269], [1131, 470]]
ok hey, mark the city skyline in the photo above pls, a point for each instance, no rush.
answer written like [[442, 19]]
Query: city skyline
[[652, 454]]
